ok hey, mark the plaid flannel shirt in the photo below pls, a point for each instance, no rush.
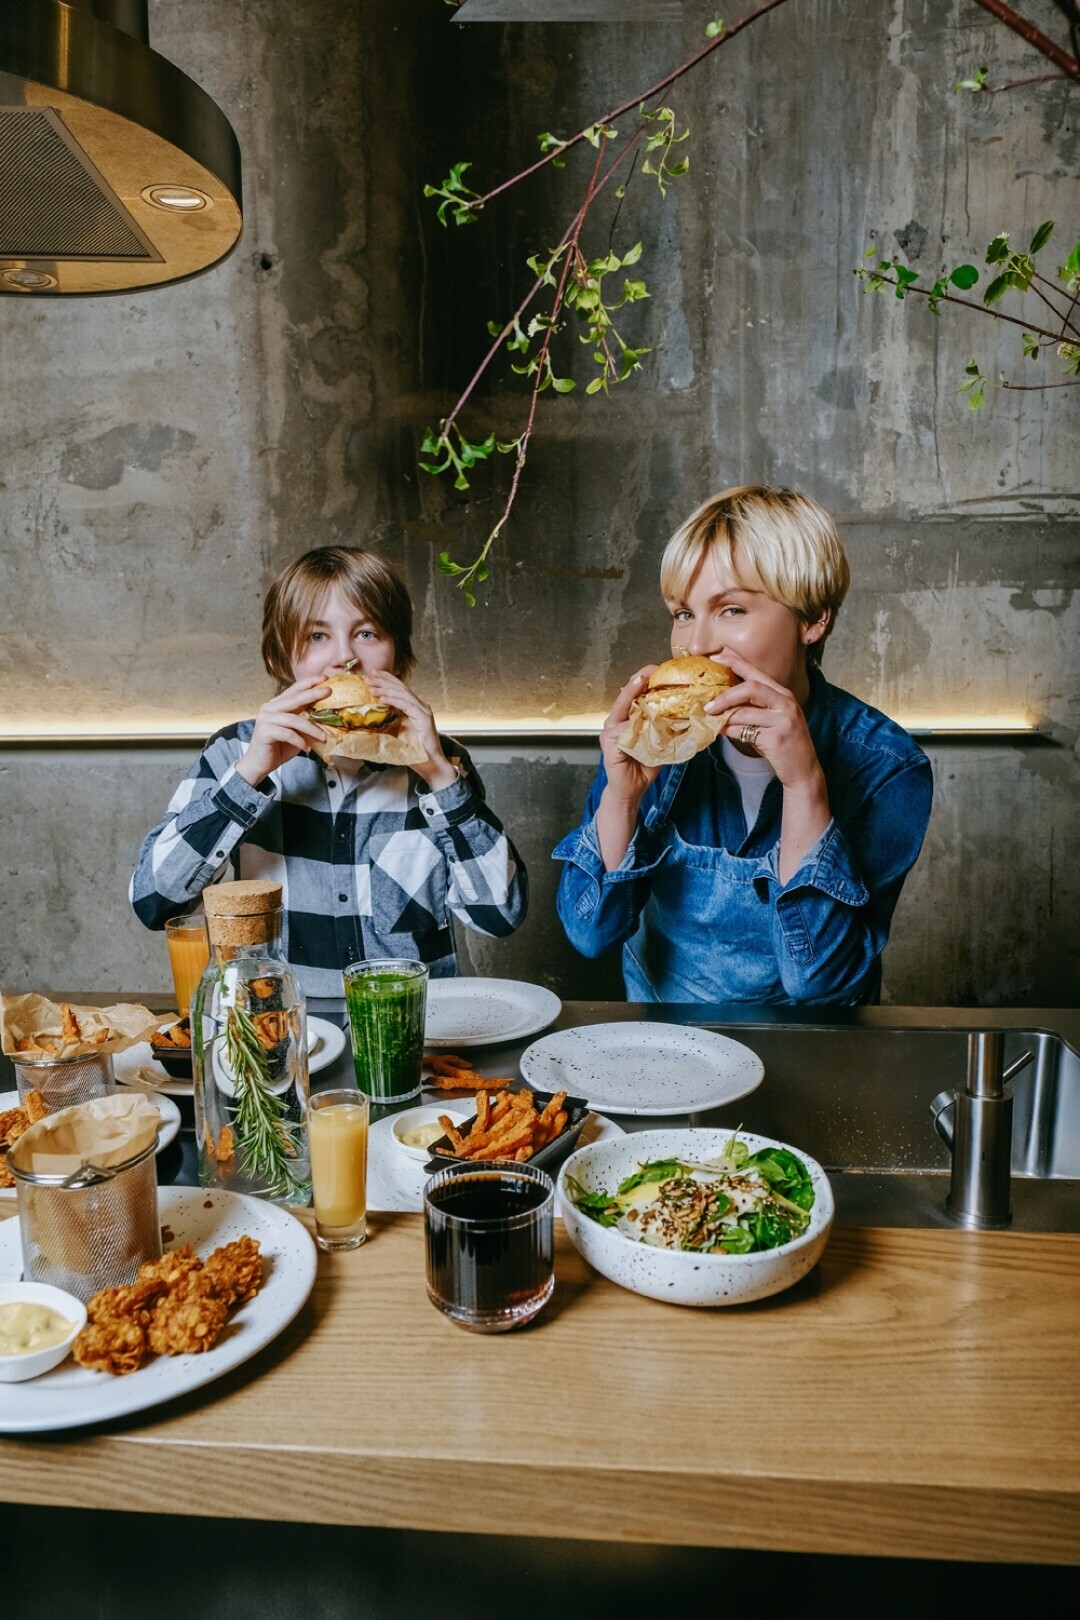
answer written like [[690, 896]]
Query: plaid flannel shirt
[[371, 863]]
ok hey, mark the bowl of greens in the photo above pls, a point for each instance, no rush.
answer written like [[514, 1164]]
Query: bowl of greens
[[696, 1217]]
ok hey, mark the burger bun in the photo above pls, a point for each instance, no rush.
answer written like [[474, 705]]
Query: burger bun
[[681, 687]]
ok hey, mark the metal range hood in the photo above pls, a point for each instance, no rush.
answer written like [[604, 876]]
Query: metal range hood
[[116, 171]]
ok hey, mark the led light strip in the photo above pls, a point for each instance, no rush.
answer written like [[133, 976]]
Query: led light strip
[[567, 727]]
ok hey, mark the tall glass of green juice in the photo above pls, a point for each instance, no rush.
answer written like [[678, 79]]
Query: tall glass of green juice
[[387, 1001]]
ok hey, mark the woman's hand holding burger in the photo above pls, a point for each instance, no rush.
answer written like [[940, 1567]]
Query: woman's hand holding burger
[[282, 730], [627, 779], [761, 714]]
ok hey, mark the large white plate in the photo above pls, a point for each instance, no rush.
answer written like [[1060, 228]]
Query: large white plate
[[644, 1068], [138, 1067], [170, 1122], [397, 1182], [71, 1395], [480, 1012]]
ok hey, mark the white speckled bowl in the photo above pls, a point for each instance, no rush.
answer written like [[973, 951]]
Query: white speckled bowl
[[679, 1277]]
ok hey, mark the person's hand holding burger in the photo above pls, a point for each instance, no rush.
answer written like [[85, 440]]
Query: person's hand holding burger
[[283, 729], [435, 769]]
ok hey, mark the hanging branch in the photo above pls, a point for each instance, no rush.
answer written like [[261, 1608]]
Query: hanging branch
[[1020, 25]]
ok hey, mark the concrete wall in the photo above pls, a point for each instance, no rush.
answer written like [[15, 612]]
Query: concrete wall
[[162, 455]]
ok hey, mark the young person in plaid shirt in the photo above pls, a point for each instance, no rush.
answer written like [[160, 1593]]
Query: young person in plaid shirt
[[374, 860]]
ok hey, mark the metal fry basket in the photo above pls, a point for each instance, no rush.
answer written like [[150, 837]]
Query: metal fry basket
[[61, 1082], [92, 1229]]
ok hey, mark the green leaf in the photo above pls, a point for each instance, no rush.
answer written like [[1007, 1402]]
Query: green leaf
[[632, 255], [682, 167], [595, 386], [1042, 236], [998, 249], [976, 82], [904, 278], [446, 566], [997, 288], [1031, 345], [563, 385], [937, 292], [964, 276], [713, 28]]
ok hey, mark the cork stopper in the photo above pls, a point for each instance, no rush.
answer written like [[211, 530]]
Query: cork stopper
[[242, 913]]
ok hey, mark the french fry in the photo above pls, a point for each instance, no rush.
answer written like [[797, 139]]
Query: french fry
[[470, 1082], [483, 1111], [445, 1063], [457, 1141]]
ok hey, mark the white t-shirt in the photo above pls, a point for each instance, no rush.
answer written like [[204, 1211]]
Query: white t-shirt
[[753, 775]]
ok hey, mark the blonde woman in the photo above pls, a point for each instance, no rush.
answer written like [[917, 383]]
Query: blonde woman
[[767, 868]]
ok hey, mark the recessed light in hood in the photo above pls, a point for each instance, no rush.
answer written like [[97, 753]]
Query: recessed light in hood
[[116, 171]]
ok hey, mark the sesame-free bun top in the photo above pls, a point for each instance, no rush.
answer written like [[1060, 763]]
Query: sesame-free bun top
[[351, 705], [681, 686]]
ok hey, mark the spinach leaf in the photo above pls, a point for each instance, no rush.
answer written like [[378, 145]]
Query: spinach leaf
[[654, 1170], [785, 1173], [597, 1205]]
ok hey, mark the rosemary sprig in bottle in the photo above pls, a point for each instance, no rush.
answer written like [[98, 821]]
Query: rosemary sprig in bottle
[[264, 1138]]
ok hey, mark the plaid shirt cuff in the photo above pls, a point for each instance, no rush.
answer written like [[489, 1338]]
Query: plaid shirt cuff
[[449, 805]]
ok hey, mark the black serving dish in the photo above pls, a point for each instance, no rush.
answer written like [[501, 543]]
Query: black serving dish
[[175, 1060], [548, 1158]]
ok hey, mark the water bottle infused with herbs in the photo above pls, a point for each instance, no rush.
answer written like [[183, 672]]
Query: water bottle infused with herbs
[[249, 1050]]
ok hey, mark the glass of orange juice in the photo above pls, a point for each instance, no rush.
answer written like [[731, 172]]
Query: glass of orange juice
[[338, 1133], [189, 952]]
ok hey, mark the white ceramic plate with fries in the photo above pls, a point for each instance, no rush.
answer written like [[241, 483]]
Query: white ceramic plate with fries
[[71, 1396], [482, 1012], [396, 1182], [138, 1067], [170, 1123]]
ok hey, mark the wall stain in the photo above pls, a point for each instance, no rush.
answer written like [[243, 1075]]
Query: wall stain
[[100, 463]]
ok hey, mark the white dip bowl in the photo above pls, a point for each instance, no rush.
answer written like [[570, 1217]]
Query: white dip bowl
[[32, 1363], [682, 1277]]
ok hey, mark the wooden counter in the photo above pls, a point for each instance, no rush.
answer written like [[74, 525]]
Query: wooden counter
[[917, 1395]]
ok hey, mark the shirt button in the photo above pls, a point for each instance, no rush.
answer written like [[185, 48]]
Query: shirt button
[[331, 784], [343, 898]]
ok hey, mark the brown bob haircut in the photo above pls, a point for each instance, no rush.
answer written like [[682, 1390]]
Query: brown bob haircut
[[371, 583]]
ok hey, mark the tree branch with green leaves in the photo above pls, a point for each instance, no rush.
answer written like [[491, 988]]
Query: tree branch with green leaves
[[1013, 272]]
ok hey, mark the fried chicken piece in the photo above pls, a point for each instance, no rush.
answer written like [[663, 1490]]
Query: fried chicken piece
[[117, 1346], [136, 1302], [187, 1319], [235, 1270], [13, 1121], [173, 1265]]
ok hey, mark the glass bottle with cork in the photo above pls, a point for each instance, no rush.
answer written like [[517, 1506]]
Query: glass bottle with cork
[[249, 1050]]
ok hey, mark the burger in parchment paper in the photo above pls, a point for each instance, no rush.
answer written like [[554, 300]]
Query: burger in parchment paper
[[667, 723], [359, 725]]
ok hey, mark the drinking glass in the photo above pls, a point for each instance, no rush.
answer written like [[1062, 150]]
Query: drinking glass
[[490, 1243], [337, 1136], [387, 1002], [189, 952]]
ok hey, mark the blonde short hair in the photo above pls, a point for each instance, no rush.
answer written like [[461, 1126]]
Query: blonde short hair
[[371, 583], [776, 538]]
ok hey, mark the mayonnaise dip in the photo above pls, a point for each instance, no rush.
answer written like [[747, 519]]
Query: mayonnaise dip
[[25, 1326]]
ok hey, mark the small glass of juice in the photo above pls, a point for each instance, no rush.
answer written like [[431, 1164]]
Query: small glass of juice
[[387, 1003], [189, 952], [337, 1134]]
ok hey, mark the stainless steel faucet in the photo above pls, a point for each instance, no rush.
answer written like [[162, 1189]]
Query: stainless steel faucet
[[976, 1123]]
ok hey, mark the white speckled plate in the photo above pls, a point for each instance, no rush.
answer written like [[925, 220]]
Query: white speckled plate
[[397, 1182], [170, 1122], [685, 1276], [480, 1012], [71, 1395], [654, 1069]]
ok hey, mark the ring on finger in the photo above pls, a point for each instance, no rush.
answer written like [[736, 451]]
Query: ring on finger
[[748, 734]]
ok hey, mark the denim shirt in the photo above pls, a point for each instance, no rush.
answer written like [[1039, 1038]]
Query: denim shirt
[[697, 903]]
